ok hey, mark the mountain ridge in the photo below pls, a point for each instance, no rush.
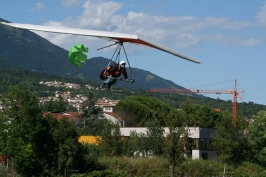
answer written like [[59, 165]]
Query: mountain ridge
[[24, 49]]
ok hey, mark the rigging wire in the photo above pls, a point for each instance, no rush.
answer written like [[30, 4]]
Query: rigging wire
[[212, 84], [128, 64], [161, 63]]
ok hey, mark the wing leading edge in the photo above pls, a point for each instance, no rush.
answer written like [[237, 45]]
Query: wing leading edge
[[118, 37]]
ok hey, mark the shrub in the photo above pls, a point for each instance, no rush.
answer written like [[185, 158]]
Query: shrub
[[136, 166], [104, 173]]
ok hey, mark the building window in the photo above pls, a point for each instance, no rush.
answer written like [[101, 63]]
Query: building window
[[204, 156], [202, 144]]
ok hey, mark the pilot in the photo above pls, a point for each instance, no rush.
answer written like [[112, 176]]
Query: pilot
[[114, 73]]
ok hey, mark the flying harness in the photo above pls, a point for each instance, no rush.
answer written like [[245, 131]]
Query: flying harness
[[107, 71]]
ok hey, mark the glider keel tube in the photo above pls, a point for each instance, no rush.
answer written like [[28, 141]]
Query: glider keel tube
[[113, 36]]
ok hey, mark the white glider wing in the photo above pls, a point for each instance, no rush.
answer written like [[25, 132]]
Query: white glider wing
[[118, 37]]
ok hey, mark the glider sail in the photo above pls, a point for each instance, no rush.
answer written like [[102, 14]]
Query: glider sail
[[116, 37]]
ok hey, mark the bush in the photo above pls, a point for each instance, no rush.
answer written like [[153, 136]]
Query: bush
[[3, 171], [250, 169], [104, 173], [136, 166], [158, 173], [202, 168]]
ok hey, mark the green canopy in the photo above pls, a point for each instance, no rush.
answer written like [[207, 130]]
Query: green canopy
[[76, 55]]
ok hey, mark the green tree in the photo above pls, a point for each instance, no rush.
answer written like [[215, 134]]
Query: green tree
[[64, 150], [200, 115], [256, 134], [90, 155], [111, 143], [230, 142], [25, 131], [137, 110], [176, 142], [68, 152], [62, 105], [155, 137], [56, 106], [136, 145], [4, 133], [90, 123]]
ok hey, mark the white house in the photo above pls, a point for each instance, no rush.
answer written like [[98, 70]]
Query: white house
[[107, 105], [201, 137]]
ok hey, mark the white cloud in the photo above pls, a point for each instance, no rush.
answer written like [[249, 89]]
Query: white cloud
[[182, 31], [261, 16], [70, 3], [39, 7]]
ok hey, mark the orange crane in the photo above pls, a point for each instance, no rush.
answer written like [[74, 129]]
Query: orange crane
[[191, 91]]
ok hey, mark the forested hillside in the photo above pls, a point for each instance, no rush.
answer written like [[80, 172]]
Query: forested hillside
[[31, 79], [23, 49]]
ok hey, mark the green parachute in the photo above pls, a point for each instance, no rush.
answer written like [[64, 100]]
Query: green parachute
[[76, 54]]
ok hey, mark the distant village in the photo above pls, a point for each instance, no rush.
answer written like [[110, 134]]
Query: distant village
[[106, 104]]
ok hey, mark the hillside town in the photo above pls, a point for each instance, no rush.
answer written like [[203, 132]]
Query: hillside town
[[76, 101]]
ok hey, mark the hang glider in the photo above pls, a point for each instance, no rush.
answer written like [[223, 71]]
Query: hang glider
[[116, 37]]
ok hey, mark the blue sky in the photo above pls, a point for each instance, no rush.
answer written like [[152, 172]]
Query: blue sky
[[229, 37]]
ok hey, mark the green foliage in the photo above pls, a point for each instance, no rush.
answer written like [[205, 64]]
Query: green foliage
[[111, 143], [203, 168], [176, 140], [25, 158], [200, 115], [256, 134], [3, 171], [5, 127], [24, 130], [155, 137], [137, 110], [249, 169], [157, 173], [104, 173], [136, 145], [159, 167], [90, 155], [36, 146], [144, 145], [134, 166], [174, 146], [90, 122], [56, 106], [230, 142], [68, 147]]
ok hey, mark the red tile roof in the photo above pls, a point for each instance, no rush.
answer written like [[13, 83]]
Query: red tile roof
[[68, 115]]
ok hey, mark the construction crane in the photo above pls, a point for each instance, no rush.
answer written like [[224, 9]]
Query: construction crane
[[234, 92]]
